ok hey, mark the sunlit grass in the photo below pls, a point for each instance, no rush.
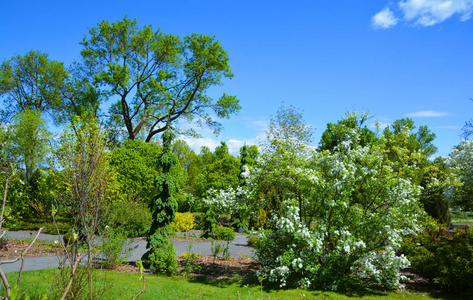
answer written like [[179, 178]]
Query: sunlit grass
[[126, 286]]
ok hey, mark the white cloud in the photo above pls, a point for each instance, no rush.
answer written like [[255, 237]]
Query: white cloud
[[431, 12], [424, 12], [384, 19], [427, 114]]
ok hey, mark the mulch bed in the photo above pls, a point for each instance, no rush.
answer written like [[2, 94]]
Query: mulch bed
[[14, 248]]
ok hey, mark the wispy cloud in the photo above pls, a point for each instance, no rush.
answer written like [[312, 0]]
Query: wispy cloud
[[384, 19], [427, 114], [423, 12]]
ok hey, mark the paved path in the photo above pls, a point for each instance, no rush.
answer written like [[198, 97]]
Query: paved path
[[137, 249]]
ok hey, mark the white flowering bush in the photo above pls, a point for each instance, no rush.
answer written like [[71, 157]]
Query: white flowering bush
[[355, 211]]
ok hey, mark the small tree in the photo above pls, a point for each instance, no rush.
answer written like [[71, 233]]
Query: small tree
[[81, 161], [163, 207]]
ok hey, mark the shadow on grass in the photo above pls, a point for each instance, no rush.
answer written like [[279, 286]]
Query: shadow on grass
[[223, 273]]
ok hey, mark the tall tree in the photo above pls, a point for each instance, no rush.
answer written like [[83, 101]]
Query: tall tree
[[29, 139], [31, 81], [287, 126], [158, 77]]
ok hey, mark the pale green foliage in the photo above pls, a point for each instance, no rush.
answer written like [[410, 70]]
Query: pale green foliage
[[136, 168], [29, 139], [221, 174], [80, 159], [287, 126]]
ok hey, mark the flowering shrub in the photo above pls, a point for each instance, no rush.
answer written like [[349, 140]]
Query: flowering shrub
[[358, 209]]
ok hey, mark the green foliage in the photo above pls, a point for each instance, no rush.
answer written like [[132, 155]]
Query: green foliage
[[442, 257], [343, 131], [161, 255], [184, 222], [208, 222], [435, 179], [223, 233], [253, 241], [414, 141], [163, 208], [114, 248], [189, 161], [80, 159], [31, 82], [157, 77], [135, 222], [29, 139], [219, 247], [135, 164], [333, 203], [136, 168], [460, 161], [219, 175]]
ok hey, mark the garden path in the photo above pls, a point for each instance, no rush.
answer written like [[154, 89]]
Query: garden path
[[238, 247]]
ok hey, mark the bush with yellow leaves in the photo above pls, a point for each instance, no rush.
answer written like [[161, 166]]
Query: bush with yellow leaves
[[184, 222]]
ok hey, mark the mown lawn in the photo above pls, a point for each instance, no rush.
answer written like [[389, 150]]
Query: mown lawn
[[126, 286]]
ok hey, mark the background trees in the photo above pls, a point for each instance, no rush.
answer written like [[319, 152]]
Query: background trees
[[157, 77], [31, 82], [29, 139]]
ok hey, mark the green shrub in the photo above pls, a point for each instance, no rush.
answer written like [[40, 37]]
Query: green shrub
[[132, 218], [161, 256], [114, 249], [207, 223], [443, 257], [224, 233], [253, 240], [184, 222]]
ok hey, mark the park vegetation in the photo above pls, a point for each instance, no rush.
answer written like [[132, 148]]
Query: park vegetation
[[348, 214]]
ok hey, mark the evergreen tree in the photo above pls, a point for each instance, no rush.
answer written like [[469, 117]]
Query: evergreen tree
[[163, 208]]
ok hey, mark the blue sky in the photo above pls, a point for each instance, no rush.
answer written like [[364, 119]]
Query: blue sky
[[396, 59]]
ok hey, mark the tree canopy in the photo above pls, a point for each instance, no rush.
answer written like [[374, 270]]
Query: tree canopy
[[157, 77], [32, 81]]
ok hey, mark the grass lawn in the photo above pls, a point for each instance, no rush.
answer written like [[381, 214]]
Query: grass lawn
[[126, 286]]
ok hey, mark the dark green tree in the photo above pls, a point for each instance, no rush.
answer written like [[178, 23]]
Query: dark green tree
[[434, 182], [163, 208]]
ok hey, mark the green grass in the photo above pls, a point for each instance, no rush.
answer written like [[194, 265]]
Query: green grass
[[126, 286]]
